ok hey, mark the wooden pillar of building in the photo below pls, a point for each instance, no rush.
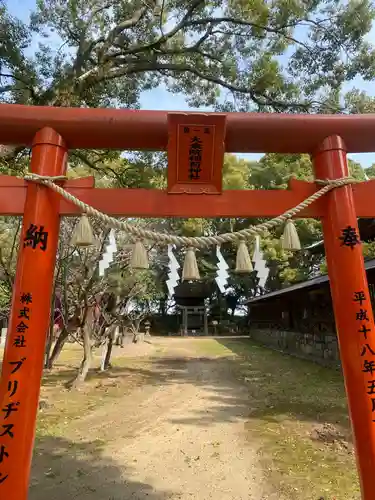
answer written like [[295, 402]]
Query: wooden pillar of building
[[205, 320], [185, 320]]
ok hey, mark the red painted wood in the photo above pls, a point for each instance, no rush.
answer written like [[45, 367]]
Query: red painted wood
[[13, 194], [231, 203], [16, 182], [81, 182], [157, 203], [209, 130], [11, 181], [347, 278], [140, 129], [29, 319]]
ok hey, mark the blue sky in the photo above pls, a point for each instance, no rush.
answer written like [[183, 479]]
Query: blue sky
[[160, 99]]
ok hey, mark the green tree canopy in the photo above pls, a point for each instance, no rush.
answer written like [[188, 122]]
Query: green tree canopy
[[285, 55]]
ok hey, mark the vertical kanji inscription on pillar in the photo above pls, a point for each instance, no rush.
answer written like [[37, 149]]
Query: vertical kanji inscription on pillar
[[352, 305], [29, 320]]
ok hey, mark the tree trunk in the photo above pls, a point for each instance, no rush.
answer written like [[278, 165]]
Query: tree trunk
[[51, 331], [49, 345], [137, 337], [86, 361], [120, 337], [107, 352], [57, 348]]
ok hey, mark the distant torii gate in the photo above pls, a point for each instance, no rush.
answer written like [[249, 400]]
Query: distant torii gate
[[194, 190]]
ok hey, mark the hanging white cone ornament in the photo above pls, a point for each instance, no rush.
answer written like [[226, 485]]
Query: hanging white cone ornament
[[107, 256], [190, 271], [83, 235], [139, 258], [260, 264], [257, 252], [243, 260], [222, 274], [290, 239], [173, 276]]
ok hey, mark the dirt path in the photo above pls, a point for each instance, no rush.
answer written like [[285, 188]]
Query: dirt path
[[180, 436]]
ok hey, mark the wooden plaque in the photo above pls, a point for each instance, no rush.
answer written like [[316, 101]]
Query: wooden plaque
[[195, 153]]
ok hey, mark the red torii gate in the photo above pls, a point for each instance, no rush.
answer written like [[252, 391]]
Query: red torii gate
[[52, 131]]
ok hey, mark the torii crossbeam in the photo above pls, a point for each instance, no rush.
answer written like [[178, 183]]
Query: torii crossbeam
[[196, 143]]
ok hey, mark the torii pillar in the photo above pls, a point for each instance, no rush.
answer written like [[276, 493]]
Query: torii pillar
[[29, 321], [352, 306]]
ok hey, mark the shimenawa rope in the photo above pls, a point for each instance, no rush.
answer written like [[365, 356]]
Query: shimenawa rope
[[197, 241]]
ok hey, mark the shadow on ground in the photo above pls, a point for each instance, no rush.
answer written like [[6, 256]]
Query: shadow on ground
[[246, 382], [64, 470], [252, 381], [294, 409]]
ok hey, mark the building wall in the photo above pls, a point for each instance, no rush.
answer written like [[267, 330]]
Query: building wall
[[301, 322], [322, 348]]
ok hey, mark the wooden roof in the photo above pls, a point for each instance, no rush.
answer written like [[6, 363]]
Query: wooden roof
[[314, 282]]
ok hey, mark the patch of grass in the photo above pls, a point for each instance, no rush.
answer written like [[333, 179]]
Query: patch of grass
[[299, 418], [208, 347], [64, 406]]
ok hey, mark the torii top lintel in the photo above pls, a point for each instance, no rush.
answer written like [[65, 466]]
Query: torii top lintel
[[140, 129], [137, 129]]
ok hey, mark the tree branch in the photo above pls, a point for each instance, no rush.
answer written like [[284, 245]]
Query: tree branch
[[140, 48], [100, 169], [181, 68], [232, 20], [192, 48], [14, 242], [5, 89], [21, 80], [8, 276], [156, 47], [117, 30]]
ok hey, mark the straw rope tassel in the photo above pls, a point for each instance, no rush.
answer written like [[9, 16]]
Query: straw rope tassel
[[243, 260], [190, 271], [139, 258], [290, 239], [83, 235]]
